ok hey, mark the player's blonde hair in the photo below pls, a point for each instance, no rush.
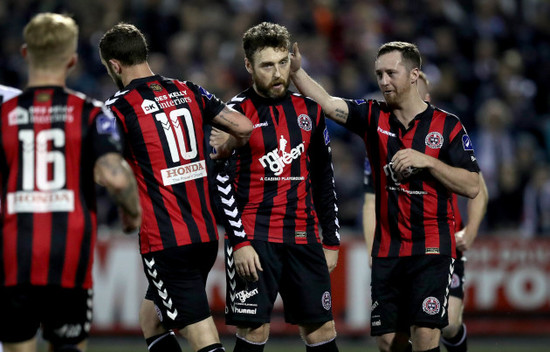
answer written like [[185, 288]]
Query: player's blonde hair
[[51, 39]]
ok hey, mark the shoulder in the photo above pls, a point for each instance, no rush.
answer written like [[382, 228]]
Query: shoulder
[[307, 100], [368, 104], [238, 99], [88, 101], [7, 93], [198, 89], [115, 97], [442, 114]]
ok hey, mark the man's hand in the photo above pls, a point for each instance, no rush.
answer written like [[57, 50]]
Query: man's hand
[[129, 223], [295, 58], [218, 141], [247, 263], [464, 239], [332, 258], [406, 160]]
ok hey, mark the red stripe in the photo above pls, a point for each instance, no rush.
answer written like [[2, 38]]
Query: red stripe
[[194, 196], [280, 201], [430, 204], [153, 145], [75, 222], [299, 104], [10, 142], [41, 243], [255, 188], [385, 240], [456, 130], [181, 232], [88, 281], [144, 200], [404, 202], [456, 212]]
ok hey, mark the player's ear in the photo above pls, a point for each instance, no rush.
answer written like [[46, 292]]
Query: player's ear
[[415, 73], [24, 51], [428, 98], [73, 60], [248, 65], [116, 66]]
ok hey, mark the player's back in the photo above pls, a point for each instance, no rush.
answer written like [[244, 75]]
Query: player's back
[[163, 121], [49, 139]]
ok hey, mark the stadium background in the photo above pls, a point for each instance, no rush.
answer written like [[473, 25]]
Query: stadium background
[[488, 61]]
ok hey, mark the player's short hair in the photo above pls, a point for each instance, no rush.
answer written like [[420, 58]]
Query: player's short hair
[[409, 53], [265, 35], [51, 39], [125, 43]]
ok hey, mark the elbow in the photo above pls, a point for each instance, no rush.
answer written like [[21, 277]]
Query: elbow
[[243, 134], [475, 187], [472, 192]]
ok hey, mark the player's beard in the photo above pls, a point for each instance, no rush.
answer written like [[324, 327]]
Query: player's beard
[[116, 78], [267, 90], [396, 98]]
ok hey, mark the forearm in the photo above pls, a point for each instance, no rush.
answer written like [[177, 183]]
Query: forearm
[[476, 209], [236, 125], [369, 220], [456, 180], [112, 172], [335, 108], [127, 198]]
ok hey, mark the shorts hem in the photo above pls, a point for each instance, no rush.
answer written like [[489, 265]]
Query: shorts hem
[[245, 323], [180, 324], [382, 332], [304, 322]]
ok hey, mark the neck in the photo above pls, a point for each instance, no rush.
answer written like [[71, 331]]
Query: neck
[[43, 77], [135, 72], [406, 110]]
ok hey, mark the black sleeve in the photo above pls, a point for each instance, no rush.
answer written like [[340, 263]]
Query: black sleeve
[[210, 104], [461, 151], [105, 134], [322, 182], [358, 114]]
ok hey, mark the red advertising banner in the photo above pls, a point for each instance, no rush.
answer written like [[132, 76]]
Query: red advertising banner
[[507, 288]]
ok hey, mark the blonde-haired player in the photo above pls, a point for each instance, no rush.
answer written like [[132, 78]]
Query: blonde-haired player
[[54, 142]]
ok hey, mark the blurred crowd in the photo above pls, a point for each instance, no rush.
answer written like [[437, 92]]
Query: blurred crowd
[[488, 61]]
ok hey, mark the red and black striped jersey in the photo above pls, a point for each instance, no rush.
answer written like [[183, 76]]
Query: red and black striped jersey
[[50, 140], [283, 177], [164, 126], [414, 210]]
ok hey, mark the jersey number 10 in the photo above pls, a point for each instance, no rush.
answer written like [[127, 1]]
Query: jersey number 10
[[172, 130]]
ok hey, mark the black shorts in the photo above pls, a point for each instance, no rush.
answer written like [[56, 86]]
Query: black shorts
[[177, 280], [297, 272], [457, 281], [409, 291], [65, 314]]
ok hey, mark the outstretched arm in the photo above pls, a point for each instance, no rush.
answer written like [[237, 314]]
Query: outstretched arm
[[476, 211], [335, 108], [114, 173]]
